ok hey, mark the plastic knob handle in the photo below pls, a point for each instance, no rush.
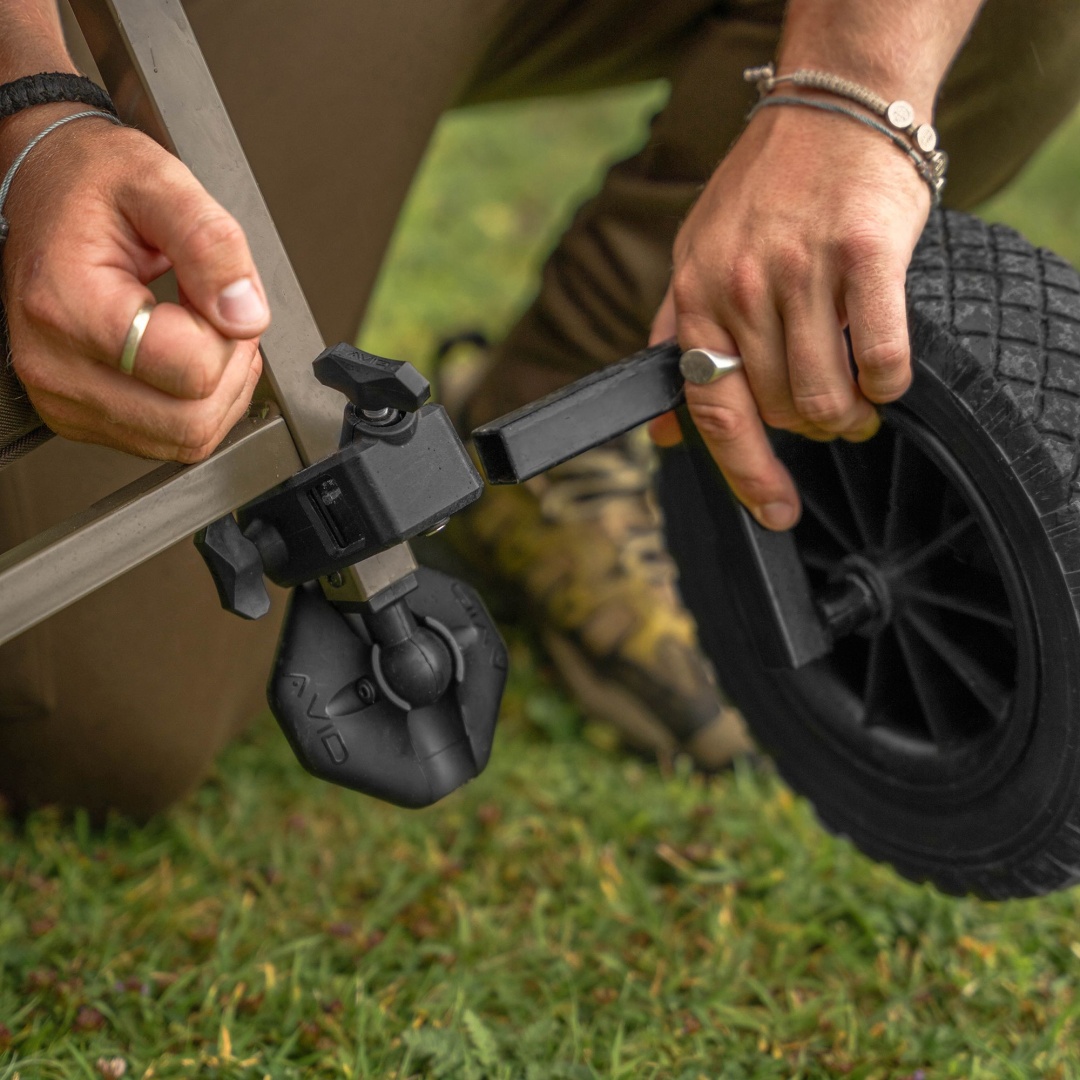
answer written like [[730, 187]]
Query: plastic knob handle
[[236, 567], [371, 382]]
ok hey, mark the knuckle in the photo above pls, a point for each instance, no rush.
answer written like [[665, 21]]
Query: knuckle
[[779, 417], [40, 302], [719, 423], [685, 291], [186, 456], [861, 248], [213, 232], [887, 357], [757, 490], [43, 373], [746, 286], [197, 438], [885, 368], [200, 380], [795, 268], [756, 483], [31, 370], [825, 408]]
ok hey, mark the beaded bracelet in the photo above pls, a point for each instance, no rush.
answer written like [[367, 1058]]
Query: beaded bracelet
[[921, 144]]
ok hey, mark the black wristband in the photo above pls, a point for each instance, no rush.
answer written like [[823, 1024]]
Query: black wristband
[[50, 87]]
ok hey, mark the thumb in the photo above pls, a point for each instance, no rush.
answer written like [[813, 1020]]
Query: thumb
[[206, 246]]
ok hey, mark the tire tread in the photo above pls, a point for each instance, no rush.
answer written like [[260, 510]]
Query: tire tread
[[1015, 310]]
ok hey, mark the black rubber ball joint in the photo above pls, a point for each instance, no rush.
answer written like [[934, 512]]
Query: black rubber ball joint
[[417, 671], [413, 665]]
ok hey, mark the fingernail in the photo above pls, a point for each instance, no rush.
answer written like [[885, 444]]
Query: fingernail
[[777, 515], [241, 303]]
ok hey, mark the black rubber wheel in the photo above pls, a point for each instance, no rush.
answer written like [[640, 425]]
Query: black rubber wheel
[[942, 736]]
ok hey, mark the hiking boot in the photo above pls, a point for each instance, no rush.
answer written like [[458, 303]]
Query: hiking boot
[[578, 552]]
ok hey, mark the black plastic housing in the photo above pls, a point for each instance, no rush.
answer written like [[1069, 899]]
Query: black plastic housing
[[389, 484], [236, 567]]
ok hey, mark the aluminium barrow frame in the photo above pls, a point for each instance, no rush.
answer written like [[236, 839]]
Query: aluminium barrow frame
[[152, 65]]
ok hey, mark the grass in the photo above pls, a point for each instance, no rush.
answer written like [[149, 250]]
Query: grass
[[572, 913]]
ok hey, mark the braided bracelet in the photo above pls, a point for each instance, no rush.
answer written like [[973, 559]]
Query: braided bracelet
[[49, 87], [900, 114], [5, 185]]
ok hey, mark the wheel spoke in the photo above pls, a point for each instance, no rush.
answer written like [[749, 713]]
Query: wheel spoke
[[987, 689], [828, 522], [877, 675], [933, 672], [889, 691], [914, 499], [860, 467], [934, 547], [961, 605], [940, 708], [814, 471]]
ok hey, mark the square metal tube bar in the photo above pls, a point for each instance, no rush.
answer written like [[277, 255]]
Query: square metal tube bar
[[142, 519]]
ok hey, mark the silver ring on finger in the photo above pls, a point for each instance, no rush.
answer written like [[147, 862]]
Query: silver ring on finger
[[134, 338], [704, 366]]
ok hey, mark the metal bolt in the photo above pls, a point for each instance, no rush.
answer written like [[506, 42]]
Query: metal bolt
[[335, 580], [381, 417], [366, 691]]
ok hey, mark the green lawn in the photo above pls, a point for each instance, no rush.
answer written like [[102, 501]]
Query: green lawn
[[572, 913]]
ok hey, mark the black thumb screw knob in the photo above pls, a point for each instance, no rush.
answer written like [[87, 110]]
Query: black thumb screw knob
[[371, 382]]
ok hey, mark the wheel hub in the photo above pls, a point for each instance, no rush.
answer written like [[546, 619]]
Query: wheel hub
[[858, 598]]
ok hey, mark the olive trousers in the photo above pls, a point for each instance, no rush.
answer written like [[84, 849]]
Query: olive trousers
[[123, 700]]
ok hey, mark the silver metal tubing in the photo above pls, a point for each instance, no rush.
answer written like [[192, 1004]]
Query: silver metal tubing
[[70, 560]]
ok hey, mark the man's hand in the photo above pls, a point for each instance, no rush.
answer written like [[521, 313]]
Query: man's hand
[[96, 213], [805, 229]]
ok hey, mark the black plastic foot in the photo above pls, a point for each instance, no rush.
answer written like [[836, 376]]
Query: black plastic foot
[[347, 723]]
